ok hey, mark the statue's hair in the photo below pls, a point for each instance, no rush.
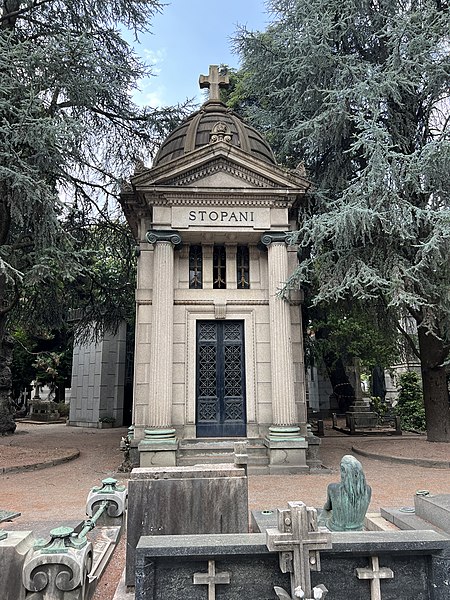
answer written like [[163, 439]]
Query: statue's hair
[[352, 477]]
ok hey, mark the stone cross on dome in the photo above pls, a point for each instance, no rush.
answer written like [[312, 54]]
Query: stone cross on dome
[[214, 81]]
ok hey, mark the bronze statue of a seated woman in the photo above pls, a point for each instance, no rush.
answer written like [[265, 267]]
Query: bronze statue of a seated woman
[[347, 501]]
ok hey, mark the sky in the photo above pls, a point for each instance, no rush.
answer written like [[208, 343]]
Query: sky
[[187, 37]]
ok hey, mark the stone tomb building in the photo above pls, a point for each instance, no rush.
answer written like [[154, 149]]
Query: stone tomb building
[[219, 355]]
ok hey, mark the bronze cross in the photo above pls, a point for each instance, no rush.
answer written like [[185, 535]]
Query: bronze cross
[[214, 81], [375, 575], [298, 542], [211, 579]]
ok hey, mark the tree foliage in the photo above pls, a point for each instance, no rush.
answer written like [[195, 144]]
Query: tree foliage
[[69, 134], [410, 402], [359, 91]]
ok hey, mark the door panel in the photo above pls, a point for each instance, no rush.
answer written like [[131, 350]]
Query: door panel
[[220, 379]]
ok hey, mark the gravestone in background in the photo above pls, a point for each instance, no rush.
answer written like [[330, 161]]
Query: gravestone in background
[[202, 499]]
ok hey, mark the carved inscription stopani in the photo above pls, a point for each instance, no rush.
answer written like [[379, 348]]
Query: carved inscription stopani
[[221, 216]]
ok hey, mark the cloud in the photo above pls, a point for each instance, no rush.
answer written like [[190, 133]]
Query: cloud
[[154, 58], [148, 95], [150, 91]]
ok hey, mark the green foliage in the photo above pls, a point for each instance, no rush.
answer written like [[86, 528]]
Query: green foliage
[[46, 358], [69, 135], [107, 420], [359, 91], [351, 332], [380, 407], [63, 409], [410, 406]]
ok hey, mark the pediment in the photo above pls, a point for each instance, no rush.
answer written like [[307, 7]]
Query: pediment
[[219, 166], [220, 173]]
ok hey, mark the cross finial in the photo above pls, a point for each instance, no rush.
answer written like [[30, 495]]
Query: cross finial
[[214, 81]]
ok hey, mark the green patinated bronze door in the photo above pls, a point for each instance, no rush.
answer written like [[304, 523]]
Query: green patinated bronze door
[[220, 382]]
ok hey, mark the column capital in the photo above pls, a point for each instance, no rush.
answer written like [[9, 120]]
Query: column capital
[[154, 236], [269, 237]]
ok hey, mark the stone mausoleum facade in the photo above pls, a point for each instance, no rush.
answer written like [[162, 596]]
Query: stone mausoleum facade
[[219, 354]]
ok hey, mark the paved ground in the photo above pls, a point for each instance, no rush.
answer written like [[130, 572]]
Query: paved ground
[[50, 496]]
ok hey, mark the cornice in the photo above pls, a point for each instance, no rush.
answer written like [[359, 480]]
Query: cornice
[[218, 200], [196, 159]]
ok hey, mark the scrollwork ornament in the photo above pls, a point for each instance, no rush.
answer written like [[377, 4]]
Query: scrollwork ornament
[[220, 133], [155, 236], [271, 237], [58, 568]]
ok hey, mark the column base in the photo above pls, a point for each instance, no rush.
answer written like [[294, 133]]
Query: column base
[[287, 456], [158, 448], [286, 433]]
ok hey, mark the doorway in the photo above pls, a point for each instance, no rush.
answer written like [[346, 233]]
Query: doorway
[[220, 379]]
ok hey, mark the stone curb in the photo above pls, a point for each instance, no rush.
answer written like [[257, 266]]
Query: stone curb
[[419, 462], [41, 465]]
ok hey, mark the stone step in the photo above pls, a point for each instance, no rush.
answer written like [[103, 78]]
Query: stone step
[[409, 520], [206, 451], [199, 459], [227, 443], [434, 509]]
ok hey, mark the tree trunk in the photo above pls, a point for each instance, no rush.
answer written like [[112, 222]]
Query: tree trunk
[[342, 388], [7, 424], [433, 353]]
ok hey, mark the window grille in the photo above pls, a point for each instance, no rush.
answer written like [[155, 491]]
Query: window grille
[[195, 267], [243, 268], [219, 268]]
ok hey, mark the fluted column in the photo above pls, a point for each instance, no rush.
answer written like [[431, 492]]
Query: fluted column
[[282, 365], [161, 355]]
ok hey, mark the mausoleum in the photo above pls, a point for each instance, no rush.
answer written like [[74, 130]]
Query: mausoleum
[[219, 354]]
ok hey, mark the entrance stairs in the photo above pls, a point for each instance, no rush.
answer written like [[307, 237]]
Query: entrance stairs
[[207, 451]]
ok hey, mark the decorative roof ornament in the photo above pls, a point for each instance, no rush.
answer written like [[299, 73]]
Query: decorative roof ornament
[[139, 166], [220, 133], [216, 79]]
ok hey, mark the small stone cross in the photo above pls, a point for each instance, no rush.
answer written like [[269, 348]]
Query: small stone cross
[[375, 575], [214, 81], [298, 542], [211, 579]]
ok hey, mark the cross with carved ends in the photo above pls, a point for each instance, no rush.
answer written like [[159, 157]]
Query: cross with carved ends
[[375, 574], [211, 579], [298, 541], [214, 81]]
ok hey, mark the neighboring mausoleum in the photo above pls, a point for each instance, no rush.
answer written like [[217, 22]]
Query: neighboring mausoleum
[[219, 354]]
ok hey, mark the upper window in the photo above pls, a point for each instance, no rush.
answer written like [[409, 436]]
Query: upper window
[[219, 268], [195, 267], [242, 268]]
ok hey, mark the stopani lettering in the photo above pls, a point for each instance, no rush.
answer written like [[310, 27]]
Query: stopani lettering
[[221, 216]]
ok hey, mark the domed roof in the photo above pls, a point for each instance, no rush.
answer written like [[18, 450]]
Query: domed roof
[[212, 123]]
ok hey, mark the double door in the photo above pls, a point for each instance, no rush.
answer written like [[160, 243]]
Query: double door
[[220, 379]]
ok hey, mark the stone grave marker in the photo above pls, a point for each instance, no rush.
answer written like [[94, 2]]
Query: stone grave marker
[[374, 574], [211, 579], [298, 541], [202, 499]]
